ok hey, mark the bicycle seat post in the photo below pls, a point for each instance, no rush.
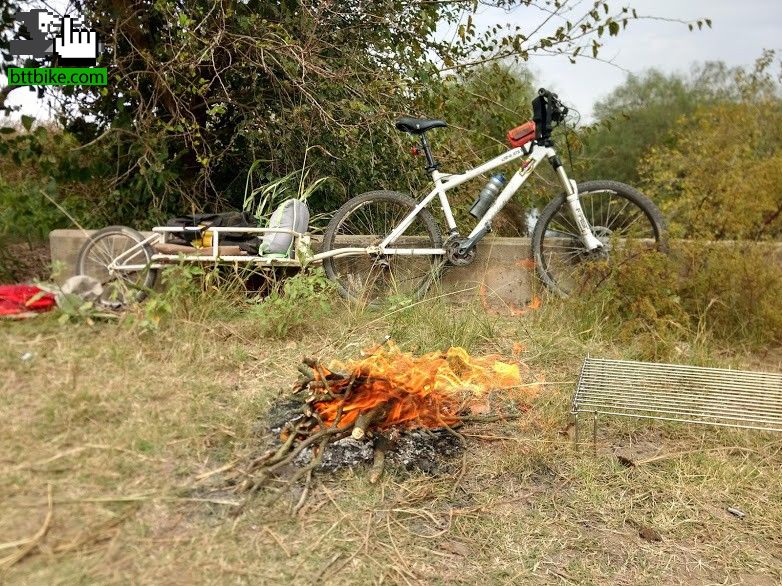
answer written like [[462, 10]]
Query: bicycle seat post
[[431, 164]]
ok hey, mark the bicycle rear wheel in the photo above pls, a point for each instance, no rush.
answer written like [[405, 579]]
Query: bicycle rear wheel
[[365, 221], [627, 223], [105, 245]]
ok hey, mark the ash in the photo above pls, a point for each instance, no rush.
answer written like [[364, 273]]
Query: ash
[[424, 450]]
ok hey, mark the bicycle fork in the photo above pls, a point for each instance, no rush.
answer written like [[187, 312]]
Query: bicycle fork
[[574, 204]]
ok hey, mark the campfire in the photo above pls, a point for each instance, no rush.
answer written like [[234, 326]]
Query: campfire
[[391, 389], [388, 402]]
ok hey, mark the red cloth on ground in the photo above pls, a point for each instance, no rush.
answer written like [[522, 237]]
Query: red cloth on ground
[[19, 299]]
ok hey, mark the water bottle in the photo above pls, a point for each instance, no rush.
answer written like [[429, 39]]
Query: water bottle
[[487, 196]]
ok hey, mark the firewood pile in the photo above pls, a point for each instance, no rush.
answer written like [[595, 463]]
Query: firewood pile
[[388, 406]]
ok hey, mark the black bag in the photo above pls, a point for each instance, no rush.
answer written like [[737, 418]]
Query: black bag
[[225, 220]]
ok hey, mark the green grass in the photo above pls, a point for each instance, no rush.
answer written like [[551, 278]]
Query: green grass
[[121, 420]]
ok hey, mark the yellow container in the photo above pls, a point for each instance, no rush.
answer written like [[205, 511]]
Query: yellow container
[[206, 239]]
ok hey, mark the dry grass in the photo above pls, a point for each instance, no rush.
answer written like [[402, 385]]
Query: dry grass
[[131, 431]]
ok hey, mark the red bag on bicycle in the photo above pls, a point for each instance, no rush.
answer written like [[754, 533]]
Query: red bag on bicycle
[[521, 135]]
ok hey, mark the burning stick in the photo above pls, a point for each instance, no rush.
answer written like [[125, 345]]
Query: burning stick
[[384, 443], [366, 418], [307, 372]]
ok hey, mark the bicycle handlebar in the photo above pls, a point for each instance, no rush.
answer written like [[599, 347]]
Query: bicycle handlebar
[[548, 111], [559, 110]]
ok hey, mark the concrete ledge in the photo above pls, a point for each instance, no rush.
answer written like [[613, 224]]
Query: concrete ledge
[[499, 275], [64, 246]]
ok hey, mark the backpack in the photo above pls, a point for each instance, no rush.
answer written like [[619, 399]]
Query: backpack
[[227, 219], [292, 214]]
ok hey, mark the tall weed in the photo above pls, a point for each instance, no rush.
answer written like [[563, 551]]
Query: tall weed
[[193, 293], [295, 305], [436, 324]]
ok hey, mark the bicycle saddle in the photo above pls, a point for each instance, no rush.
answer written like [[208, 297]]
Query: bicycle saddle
[[418, 125]]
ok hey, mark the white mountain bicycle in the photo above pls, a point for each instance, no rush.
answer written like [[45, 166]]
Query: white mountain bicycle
[[384, 243]]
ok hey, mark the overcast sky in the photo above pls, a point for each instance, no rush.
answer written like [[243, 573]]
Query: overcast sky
[[741, 30]]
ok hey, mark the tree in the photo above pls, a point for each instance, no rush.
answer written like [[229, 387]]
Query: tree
[[480, 106], [201, 90], [641, 113], [721, 176]]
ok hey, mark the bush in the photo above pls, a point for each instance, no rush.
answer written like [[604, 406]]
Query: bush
[[193, 293], [723, 293]]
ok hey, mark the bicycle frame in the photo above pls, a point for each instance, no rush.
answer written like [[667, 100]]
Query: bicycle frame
[[443, 182]]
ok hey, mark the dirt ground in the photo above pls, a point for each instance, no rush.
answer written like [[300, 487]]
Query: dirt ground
[[23, 263], [117, 441]]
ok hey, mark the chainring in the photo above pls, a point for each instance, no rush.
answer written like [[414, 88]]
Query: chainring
[[457, 258]]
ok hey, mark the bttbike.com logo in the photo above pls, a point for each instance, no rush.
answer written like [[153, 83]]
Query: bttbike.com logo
[[57, 76], [66, 42]]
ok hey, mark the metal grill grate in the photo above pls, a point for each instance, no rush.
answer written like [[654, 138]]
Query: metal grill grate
[[673, 392]]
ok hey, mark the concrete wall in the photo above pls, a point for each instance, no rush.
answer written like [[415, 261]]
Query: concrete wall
[[499, 276], [64, 246]]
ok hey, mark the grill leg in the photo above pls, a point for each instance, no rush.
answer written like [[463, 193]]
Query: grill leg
[[594, 434], [575, 431]]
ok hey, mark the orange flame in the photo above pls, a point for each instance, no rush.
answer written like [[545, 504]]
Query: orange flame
[[427, 391]]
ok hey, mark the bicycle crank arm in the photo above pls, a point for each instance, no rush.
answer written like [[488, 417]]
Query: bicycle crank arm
[[469, 243]]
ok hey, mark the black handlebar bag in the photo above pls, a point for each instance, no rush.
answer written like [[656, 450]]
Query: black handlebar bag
[[204, 221]]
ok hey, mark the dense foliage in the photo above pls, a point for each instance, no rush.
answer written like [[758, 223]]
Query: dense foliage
[[700, 293], [642, 111], [209, 101], [720, 176], [201, 90]]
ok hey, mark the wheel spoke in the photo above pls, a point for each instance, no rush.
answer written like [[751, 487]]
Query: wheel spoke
[[615, 219], [369, 278], [105, 247]]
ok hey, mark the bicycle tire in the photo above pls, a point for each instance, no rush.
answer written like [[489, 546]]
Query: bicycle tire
[[94, 265], [368, 288], [543, 226]]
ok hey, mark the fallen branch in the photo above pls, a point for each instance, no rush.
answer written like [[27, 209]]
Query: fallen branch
[[385, 442], [304, 493], [252, 485], [319, 575], [95, 534], [210, 473], [459, 478], [489, 418], [633, 463], [135, 498], [78, 450]]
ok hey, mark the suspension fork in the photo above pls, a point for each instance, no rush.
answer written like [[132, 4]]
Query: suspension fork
[[574, 205]]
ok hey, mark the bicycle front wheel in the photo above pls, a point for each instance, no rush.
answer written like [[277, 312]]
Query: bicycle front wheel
[[626, 222], [365, 221]]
